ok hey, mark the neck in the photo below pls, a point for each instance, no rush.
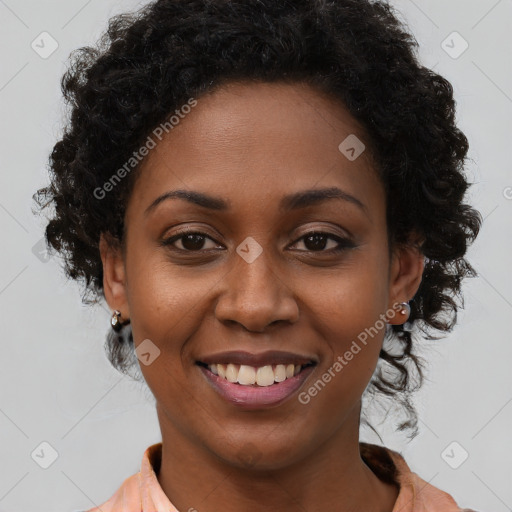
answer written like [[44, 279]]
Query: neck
[[333, 478]]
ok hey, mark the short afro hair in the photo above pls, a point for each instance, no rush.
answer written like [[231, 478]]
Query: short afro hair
[[151, 62]]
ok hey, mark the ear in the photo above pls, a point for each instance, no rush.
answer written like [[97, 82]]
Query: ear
[[406, 271], [114, 275]]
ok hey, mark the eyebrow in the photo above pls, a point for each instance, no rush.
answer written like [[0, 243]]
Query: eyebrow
[[294, 201]]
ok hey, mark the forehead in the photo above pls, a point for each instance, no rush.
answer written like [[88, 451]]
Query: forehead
[[254, 143]]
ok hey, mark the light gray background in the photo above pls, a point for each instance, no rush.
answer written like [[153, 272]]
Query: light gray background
[[56, 383]]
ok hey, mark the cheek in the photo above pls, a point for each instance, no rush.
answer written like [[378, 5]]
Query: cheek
[[166, 308], [349, 313], [354, 299], [354, 331], [164, 298]]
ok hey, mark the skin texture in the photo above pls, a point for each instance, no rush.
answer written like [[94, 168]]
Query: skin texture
[[252, 144]]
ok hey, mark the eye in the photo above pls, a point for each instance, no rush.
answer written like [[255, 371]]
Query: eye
[[191, 241], [314, 241], [318, 241]]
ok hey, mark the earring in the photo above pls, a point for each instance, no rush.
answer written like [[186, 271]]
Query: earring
[[406, 309], [116, 322]]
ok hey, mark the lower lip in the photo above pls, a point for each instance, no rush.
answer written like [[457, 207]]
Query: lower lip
[[254, 397]]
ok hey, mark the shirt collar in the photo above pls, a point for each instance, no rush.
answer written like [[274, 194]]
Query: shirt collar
[[151, 494], [415, 495]]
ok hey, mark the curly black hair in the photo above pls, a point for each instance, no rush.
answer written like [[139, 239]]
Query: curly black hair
[[150, 63]]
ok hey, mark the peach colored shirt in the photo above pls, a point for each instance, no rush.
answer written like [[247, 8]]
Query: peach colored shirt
[[142, 492]]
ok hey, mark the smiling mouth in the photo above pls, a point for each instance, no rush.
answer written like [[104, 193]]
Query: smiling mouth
[[262, 376]]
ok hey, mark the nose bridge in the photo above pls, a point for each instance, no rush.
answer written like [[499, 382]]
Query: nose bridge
[[254, 295], [255, 276]]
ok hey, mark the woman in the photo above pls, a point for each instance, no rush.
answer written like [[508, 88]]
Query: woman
[[270, 198]]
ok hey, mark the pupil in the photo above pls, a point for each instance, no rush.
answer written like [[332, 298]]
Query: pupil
[[318, 239], [193, 242]]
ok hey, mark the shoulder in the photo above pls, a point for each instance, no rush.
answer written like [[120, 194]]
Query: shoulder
[[128, 494], [414, 492], [142, 487]]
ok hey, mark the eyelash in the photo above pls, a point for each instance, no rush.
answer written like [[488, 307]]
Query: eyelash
[[343, 243]]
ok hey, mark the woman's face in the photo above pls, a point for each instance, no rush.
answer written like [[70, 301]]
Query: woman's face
[[253, 286]]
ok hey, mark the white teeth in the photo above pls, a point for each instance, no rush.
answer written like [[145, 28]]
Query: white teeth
[[249, 376], [246, 375], [265, 376], [280, 373], [231, 373]]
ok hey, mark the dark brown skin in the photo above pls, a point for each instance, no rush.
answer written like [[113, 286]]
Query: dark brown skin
[[252, 144]]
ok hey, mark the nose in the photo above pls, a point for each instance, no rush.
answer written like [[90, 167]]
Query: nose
[[255, 296]]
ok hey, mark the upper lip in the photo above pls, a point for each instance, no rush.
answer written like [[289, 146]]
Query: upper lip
[[256, 360]]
